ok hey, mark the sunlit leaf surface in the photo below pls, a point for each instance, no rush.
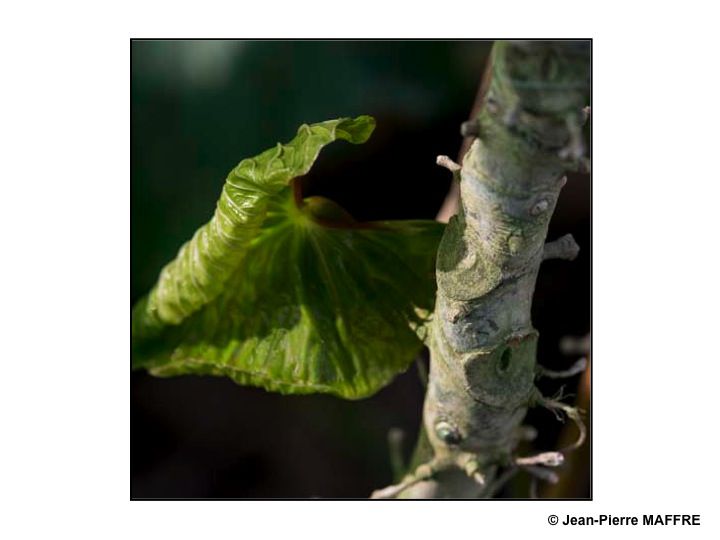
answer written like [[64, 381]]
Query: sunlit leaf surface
[[294, 296]]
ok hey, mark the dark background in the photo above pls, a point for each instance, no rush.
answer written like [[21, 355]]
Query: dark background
[[198, 108]]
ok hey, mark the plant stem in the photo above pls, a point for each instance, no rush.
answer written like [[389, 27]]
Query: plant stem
[[481, 339]]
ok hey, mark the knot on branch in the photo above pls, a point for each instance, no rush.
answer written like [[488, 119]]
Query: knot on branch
[[449, 164], [564, 247]]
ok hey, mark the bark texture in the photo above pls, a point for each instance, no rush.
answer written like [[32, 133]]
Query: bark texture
[[482, 342]]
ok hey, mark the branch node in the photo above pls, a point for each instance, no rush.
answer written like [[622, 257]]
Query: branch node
[[479, 478], [548, 459], [448, 163], [471, 466], [564, 247]]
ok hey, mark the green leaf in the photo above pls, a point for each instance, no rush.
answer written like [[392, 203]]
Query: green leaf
[[203, 265], [293, 297]]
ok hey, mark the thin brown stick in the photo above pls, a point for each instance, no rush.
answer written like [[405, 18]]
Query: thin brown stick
[[451, 204]]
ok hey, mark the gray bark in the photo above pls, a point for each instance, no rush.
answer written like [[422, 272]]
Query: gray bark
[[481, 339]]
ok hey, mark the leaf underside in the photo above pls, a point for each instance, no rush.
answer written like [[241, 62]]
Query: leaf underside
[[295, 298]]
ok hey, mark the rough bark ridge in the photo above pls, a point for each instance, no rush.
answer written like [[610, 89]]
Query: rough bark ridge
[[482, 342]]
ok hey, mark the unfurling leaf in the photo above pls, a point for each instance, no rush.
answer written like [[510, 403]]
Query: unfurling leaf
[[294, 296]]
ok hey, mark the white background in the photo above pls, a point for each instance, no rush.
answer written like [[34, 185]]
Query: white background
[[64, 268]]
